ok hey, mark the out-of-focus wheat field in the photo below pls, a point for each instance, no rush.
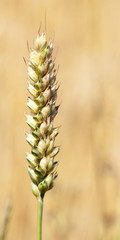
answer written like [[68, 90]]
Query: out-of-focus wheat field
[[85, 202]]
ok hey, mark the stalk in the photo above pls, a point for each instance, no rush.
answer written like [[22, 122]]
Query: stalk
[[40, 211], [6, 220]]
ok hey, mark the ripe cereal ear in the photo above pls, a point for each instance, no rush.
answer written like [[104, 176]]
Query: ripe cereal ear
[[42, 104]]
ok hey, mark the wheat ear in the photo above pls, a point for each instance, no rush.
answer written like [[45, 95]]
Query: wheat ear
[[43, 89]]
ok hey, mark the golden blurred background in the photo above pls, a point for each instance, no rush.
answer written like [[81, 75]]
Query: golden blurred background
[[85, 202]]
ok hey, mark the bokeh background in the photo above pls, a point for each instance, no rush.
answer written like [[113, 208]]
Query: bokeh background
[[85, 202]]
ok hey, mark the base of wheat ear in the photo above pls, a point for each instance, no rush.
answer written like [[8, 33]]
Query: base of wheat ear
[[43, 88]]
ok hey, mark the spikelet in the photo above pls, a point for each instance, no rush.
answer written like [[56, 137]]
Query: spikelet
[[43, 89]]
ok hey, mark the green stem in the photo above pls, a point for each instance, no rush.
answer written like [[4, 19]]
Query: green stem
[[40, 210]]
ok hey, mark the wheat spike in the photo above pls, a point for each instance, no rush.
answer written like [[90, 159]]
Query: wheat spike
[[42, 104]]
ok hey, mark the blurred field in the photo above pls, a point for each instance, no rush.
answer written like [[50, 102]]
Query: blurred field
[[85, 203]]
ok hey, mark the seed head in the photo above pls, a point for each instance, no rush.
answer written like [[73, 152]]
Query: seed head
[[42, 104]]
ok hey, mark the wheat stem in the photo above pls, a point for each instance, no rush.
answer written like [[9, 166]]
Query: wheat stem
[[6, 220], [40, 211]]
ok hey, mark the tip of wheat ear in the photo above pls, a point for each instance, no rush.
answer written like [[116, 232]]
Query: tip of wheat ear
[[42, 104]]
